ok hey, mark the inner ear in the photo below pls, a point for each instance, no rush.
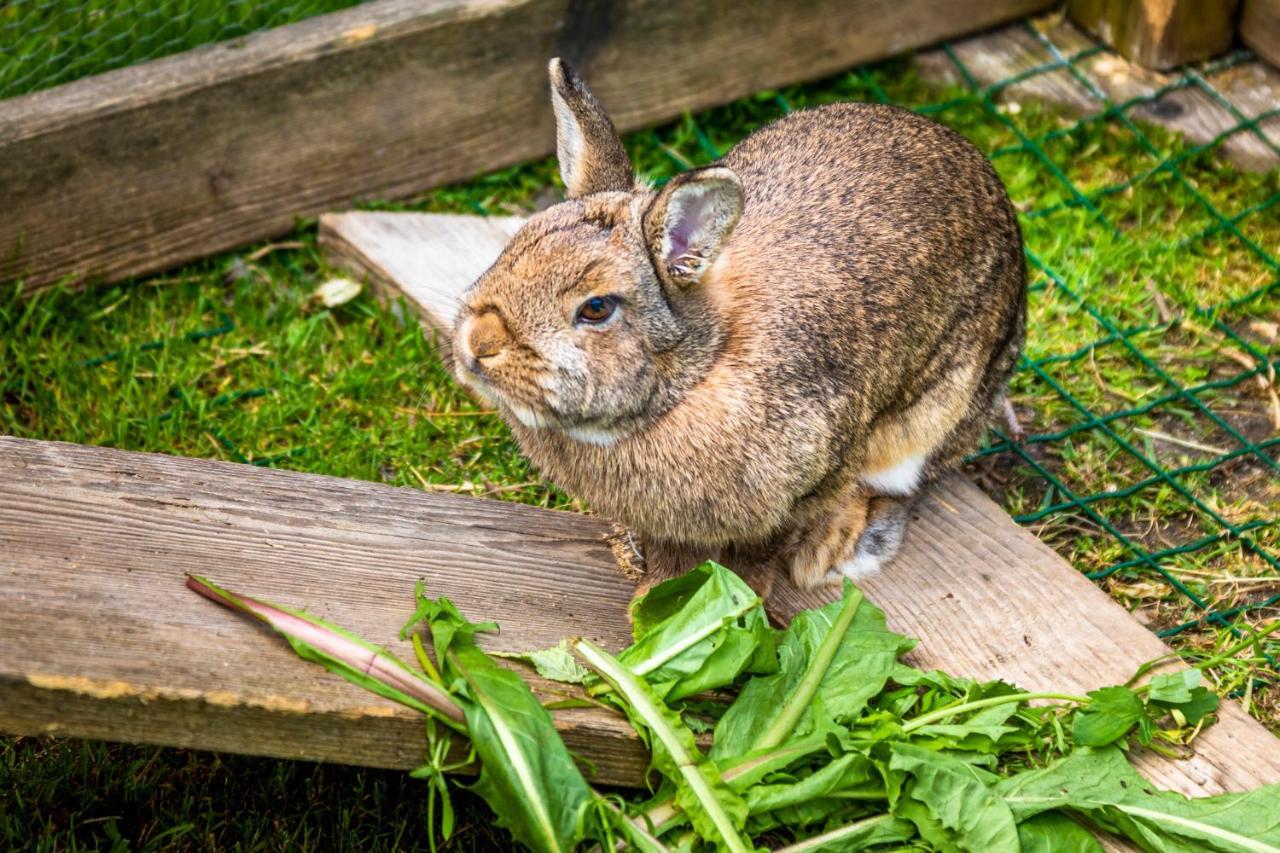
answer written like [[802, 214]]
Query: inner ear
[[690, 221]]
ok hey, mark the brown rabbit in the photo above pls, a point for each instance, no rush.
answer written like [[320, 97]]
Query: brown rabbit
[[764, 360]]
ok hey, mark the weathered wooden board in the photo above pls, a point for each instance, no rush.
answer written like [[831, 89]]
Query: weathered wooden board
[[142, 168], [1252, 87], [459, 250], [1260, 28], [985, 596], [99, 637], [1159, 34]]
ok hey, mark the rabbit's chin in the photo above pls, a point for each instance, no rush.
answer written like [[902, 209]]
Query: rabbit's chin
[[530, 418]]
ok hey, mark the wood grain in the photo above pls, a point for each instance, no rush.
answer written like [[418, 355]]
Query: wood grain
[[389, 247], [1260, 28], [142, 168], [99, 637], [1159, 34], [1253, 87]]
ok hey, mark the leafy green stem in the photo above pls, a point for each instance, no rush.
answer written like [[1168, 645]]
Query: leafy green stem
[[842, 833], [626, 683], [966, 707], [784, 724], [341, 652]]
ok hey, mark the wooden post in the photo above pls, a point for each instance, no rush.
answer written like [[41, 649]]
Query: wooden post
[[1260, 28], [1159, 34]]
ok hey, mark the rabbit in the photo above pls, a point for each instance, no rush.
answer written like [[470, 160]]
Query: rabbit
[[764, 360]]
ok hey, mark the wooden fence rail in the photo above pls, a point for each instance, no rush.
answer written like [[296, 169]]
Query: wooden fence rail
[[139, 169]]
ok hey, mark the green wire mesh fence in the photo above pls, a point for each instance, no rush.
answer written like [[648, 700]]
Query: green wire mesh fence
[[47, 42], [1106, 425], [1148, 388]]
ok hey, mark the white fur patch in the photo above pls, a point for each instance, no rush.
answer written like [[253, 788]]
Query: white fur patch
[[526, 415], [475, 383], [855, 568], [900, 479], [598, 437], [569, 142]]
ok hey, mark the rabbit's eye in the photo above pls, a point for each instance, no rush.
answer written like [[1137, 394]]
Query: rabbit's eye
[[597, 309]]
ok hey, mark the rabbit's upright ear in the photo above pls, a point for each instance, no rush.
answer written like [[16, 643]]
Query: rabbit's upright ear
[[592, 157], [689, 222]]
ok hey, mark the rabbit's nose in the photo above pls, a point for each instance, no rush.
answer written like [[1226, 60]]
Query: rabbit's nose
[[488, 336]]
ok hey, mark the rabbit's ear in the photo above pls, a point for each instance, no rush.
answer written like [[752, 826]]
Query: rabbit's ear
[[592, 157], [690, 220]]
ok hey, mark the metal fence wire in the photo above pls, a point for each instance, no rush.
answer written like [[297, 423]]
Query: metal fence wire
[[1175, 563], [47, 42], [1172, 436]]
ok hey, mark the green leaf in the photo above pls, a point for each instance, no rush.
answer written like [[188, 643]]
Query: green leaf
[[527, 775], [1111, 713], [867, 832], [554, 663], [851, 776], [717, 813], [444, 620], [1202, 703], [1181, 691], [862, 655], [951, 803], [1054, 832], [1173, 687], [1101, 785], [699, 632]]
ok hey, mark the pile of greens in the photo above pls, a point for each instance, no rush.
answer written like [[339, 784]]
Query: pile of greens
[[821, 737]]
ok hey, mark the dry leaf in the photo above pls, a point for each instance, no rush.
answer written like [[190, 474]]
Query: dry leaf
[[337, 291]]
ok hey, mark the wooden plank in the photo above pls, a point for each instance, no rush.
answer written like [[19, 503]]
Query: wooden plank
[[1159, 34], [1260, 28], [428, 276], [142, 168], [1252, 87], [99, 638]]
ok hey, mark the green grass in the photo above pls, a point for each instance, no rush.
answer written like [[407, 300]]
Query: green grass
[[67, 795], [47, 42], [233, 358]]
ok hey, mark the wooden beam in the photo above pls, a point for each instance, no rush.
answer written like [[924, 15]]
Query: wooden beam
[[139, 169], [1260, 28], [99, 637], [1159, 34]]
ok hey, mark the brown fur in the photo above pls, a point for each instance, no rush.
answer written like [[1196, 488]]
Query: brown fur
[[853, 296]]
